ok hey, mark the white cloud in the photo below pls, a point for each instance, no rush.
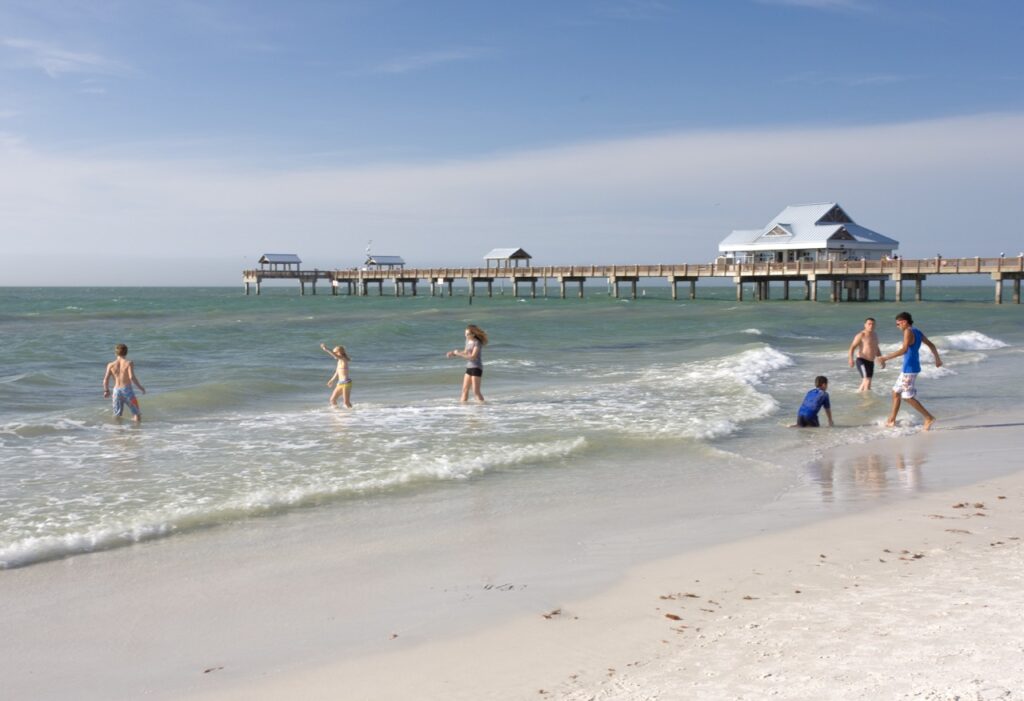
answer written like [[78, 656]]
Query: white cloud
[[56, 61], [419, 62], [653, 199]]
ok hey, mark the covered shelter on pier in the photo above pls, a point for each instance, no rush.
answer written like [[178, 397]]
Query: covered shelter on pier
[[383, 263], [279, 261], [507, 258], [808, 232]]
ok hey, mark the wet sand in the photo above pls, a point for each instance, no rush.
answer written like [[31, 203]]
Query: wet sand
[[921, 598]]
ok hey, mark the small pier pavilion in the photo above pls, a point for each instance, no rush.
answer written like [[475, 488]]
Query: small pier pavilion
[[377, 269], [844, 280]]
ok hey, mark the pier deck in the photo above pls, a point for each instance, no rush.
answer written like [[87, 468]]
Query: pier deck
[[852, 277]]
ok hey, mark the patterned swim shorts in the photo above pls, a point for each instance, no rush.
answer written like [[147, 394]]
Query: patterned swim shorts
[[123, 396], [905, 385]]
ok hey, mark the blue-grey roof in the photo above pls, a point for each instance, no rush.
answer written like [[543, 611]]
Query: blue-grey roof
[[507, 253], [280, 258], [806, 226], [384, 260]]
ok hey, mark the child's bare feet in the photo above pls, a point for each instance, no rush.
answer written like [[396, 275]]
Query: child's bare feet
[[928, 423], [891, 423]]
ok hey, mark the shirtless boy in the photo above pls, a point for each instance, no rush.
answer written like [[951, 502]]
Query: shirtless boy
[[122, 372], [865, 344]]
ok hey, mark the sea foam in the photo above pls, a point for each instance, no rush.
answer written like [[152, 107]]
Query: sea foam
[[972, 340]]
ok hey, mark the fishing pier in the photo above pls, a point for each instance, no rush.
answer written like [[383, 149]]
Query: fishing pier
[[843, 280]]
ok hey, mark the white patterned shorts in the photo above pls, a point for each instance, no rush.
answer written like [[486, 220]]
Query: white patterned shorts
[[905, 385]]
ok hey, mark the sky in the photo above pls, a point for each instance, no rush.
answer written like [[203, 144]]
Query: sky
[[173, 143]]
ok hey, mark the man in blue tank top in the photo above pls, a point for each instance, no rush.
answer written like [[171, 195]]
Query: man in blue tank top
[[904, 388]]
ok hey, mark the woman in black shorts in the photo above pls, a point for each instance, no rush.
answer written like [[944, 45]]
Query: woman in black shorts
[[476, 339]]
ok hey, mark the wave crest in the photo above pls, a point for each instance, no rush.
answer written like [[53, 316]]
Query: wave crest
[[972, 340]]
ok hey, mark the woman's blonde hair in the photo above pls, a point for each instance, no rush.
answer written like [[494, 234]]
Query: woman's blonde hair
[[477, 333], [341, 350]]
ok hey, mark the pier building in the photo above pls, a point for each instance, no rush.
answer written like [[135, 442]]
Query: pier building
[[808, 232]]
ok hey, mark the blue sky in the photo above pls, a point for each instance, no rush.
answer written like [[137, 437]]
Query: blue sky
[[136, 135]]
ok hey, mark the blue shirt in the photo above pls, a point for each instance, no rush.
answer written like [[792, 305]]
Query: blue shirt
[[813, 402], [912, 358]]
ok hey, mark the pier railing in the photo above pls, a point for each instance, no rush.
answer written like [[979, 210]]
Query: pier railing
[[927, 266], [848, 274]]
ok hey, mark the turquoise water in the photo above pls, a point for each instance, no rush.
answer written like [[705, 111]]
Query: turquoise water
[[236, 423]]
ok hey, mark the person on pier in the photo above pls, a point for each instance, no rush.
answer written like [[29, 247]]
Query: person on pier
[[476, 339], [340, 379]]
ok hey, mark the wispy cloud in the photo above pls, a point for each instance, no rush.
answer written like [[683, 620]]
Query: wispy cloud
[[424, 61], [634, 10], [830, 5], [56, 61], [817, 79], [643, 200]]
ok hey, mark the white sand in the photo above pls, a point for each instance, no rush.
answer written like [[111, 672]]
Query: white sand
[[917, 599], [922, 599]]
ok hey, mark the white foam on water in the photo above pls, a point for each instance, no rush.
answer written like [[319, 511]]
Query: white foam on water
[[932, 372], [750, 366], [184, 474], [511, 363], [252, 496], [968, 341], [54, 426]]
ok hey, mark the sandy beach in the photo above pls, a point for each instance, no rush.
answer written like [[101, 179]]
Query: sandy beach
[[919, 600], [920, 597]]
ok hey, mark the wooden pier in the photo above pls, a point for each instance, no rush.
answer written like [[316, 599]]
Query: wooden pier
[[849, 280]]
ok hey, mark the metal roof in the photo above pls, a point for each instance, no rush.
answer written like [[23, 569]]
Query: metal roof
[[384, 260], [739, 237], [807, 226], [280, 258], [507, 254]]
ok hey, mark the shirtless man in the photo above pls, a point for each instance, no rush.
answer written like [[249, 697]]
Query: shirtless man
[[122, 372], [865, 343]]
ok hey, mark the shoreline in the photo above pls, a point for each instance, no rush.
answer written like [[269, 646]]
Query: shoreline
[[920, 598], [226, 623]]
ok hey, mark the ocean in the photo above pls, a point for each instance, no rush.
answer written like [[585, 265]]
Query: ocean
[[680, 406]]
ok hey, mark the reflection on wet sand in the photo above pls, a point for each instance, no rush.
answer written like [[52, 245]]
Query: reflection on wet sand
[[868, 476]]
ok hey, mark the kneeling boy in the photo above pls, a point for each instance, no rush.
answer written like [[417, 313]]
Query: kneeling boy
[[815, 401]]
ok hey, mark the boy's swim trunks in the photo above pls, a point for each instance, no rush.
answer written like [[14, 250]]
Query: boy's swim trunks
[[122, 396], [905, 385]]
